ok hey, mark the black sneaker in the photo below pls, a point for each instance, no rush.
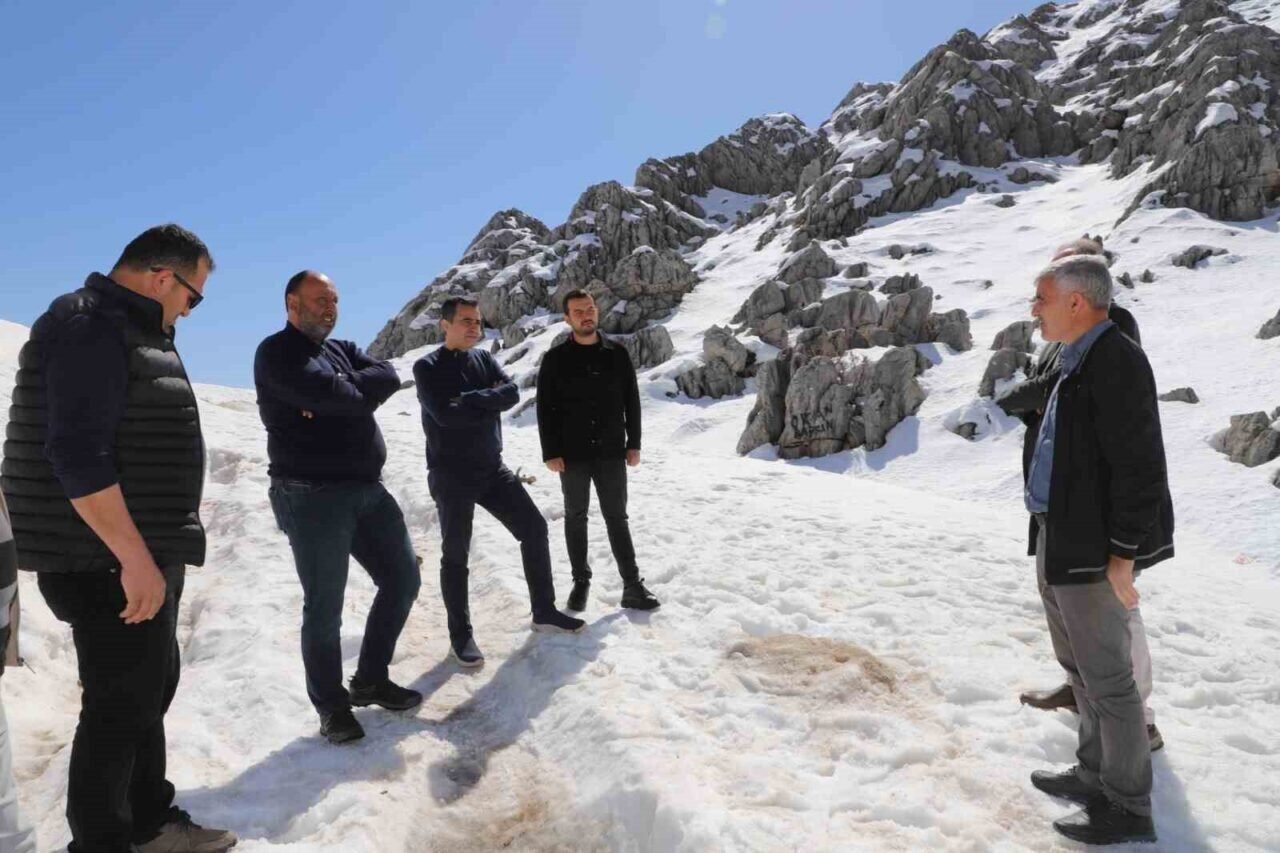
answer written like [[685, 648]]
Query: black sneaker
[[555, 622], [1104, 822], [578, 597], [180, 834], [1155, 738], [387, 694], [467, 654], [636, 597], [1065, 785], [340, 726]]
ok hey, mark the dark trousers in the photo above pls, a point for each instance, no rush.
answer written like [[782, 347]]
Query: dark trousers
[[117, 793], [1089, 629], [327, 524], [610, 478], [457, 494]]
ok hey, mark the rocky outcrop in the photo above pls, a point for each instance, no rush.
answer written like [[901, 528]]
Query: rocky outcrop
[[767, 419], [648, 347], [1180, 395], [1193, 255], [833, 404], [644, 286], [950, 328], [1017, 337], [726, 363], [1271, 328], [810, 262], [1003, 366], [1252, 439]]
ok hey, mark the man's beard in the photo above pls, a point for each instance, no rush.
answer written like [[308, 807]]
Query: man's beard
[[316, 329]]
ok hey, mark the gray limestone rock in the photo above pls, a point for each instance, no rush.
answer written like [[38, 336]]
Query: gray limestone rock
[[950, 328], [1253, 439], [1193, 255], [1180, 395], [811, 262], [1003, 366], [767, 419], [1016, 336], [1271, 328]]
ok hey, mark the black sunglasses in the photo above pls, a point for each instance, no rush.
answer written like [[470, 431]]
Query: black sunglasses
[[194, 298]]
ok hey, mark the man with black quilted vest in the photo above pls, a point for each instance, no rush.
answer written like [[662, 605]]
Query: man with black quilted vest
[[104, 469]]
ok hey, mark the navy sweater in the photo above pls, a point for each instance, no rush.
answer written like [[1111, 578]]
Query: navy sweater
[[463, 393], [340, 387]]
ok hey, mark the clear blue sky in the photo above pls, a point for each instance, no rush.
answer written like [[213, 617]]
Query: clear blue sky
[[372, 140]]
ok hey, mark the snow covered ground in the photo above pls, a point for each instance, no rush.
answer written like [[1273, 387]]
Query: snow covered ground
[[842, 640]]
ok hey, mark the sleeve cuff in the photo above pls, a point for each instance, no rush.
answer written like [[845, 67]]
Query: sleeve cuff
[[82, 483], [1123, 550]]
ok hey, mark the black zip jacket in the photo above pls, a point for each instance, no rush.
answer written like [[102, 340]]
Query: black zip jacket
[[588, 401], [463, 394], [1110, 489], [339, 386]]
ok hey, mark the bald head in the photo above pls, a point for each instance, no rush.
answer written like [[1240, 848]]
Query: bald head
[[312, 303]]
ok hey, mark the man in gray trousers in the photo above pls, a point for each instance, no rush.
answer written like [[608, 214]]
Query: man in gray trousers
[[1098, 493]]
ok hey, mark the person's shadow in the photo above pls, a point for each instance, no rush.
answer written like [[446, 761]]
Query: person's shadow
[[264, 800], [498, 713]]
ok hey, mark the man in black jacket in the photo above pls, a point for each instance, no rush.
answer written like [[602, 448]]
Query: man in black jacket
[[463, 393], [589, 424], [1098, 493], [104, 470], [1027, 402], [317, 397]]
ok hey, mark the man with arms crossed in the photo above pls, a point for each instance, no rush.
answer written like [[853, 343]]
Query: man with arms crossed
[[104, 470], [317, 397], [1098, 493], [589, 425], [463, 393]]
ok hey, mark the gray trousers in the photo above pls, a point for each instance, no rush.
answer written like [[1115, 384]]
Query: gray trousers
[[1090, 629]]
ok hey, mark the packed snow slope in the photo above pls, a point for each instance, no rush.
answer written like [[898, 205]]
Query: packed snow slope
[[842, 639]]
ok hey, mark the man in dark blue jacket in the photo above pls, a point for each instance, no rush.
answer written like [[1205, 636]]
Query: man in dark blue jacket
[[463, 393], [316, 398]]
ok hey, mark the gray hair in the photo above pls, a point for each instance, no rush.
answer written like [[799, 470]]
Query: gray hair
[[1084, 274], [1083, 246]]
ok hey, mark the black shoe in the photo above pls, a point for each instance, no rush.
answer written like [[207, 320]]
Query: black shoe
[[1155, 738], [340, 726], [387, 694], [1048, 700], [636, 597], [1104, 822], [1065, 785], [578, 597], [467, 654], [555, 622]]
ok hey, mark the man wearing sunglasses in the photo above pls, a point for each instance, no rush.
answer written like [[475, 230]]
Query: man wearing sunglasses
[[104, 470]]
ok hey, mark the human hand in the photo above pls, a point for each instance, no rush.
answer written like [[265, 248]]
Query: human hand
[[556, 465], [144, 590], [633, 458], [1120, 575]]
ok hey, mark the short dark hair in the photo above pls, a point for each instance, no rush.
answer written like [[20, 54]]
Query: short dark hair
[[450, 306], [165, 246], [578, 293], [296, 281]]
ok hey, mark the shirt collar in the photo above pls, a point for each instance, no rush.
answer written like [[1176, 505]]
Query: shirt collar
[[146, 310], [1073, 353]]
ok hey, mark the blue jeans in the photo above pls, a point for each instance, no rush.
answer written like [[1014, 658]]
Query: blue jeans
[[327, 523]]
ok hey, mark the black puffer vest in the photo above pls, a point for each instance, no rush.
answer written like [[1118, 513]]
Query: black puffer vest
[[159, 451]]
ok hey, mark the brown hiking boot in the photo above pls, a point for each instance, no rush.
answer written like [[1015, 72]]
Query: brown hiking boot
[[1049, 700]]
